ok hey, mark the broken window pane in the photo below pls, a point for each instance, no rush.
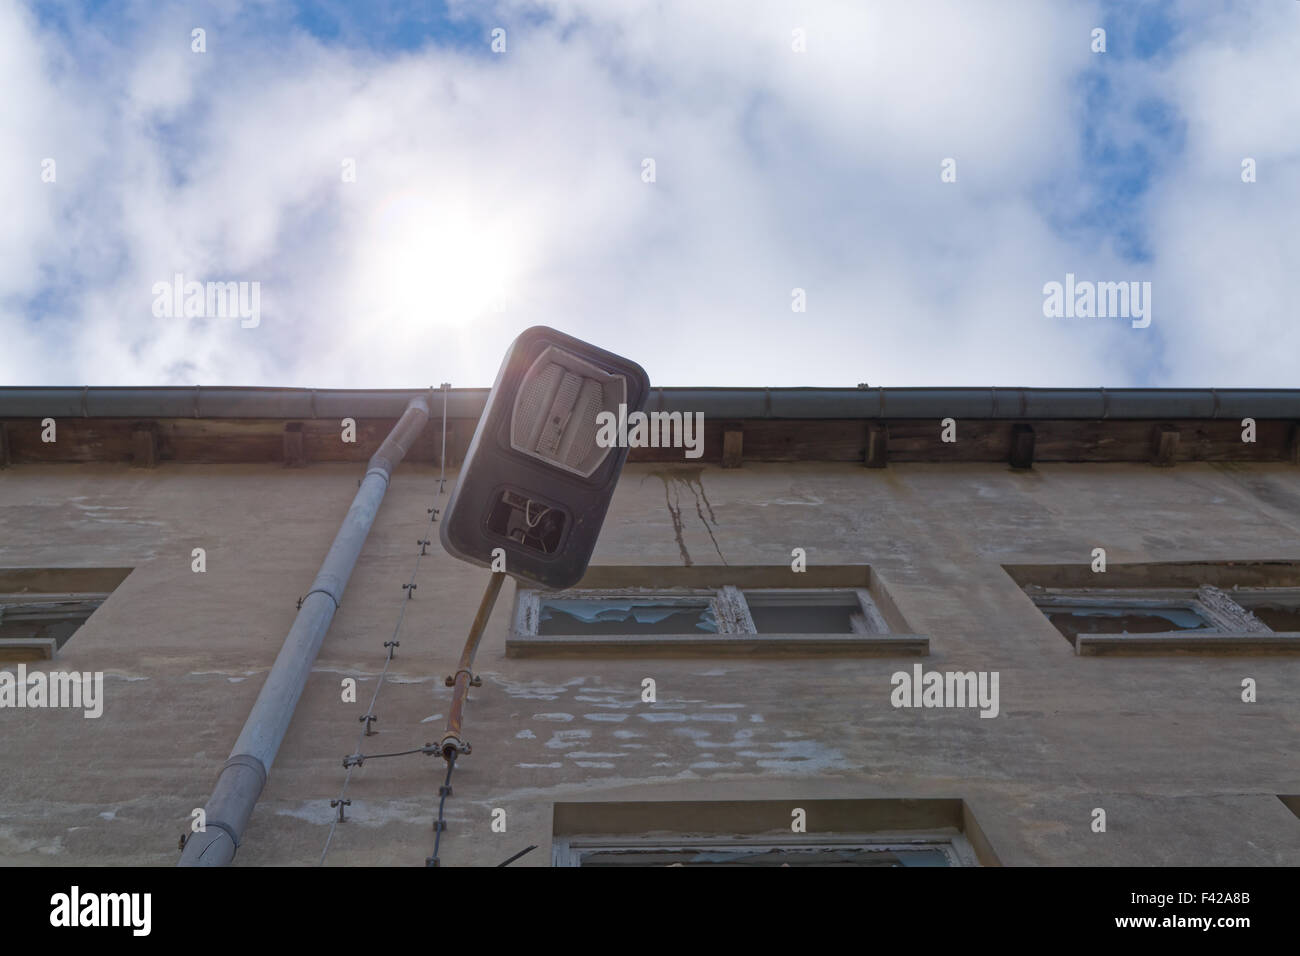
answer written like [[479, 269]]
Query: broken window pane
[[1120, 619], [626, 615]]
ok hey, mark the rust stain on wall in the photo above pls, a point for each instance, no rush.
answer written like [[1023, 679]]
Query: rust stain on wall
[[692, 479]]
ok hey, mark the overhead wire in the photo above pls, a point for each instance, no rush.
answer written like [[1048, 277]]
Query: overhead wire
[[356, 758]]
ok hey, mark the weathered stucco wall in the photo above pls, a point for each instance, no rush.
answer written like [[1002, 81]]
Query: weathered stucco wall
[[1187, 772]]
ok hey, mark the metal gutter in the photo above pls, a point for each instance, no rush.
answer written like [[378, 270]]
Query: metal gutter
[[738, 403], [206, 402], [244, 775]]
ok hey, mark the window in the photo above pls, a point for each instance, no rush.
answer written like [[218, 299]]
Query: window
[[937, 849], [743, 615], [696, 611], [883, 832], [1149, 619], [42, 608], [1291, 801]]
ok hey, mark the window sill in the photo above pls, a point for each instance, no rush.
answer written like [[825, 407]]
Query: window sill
[[724, 645], [1095, 645]]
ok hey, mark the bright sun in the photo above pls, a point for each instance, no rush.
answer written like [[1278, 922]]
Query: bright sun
[[435, 263]]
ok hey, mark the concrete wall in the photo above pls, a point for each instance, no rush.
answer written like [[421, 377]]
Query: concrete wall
[[1187, 772]]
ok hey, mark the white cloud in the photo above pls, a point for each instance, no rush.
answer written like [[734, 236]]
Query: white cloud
[[1228, 251], [487, 180]]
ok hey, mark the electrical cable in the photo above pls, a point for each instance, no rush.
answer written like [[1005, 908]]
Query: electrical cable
[[357, 758], [527, 849], [443, 792]]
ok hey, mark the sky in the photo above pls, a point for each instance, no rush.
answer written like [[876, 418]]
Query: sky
[[761, 193]]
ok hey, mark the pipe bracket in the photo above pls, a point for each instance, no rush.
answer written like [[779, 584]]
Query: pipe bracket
[[329, 594], [452, 744], [224, 828]]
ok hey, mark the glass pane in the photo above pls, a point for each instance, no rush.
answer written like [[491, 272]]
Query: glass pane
[[631, 615], [801, 618]]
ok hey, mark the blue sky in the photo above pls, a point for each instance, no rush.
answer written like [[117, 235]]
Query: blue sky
[[497, 189]]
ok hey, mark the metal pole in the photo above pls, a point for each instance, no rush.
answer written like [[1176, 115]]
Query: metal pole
[[442, 461], [452, 742], [243, 776]]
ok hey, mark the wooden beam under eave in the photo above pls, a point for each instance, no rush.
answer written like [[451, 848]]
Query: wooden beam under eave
[[1293, 444], [877, 455], [144, 446], [1022, 446], [733, 444], [5, 458], [1164, 446], [295, 454]]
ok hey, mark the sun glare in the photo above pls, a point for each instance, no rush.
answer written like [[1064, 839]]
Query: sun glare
[[433, 263]]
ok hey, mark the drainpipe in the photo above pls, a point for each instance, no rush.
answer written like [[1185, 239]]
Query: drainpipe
[[244, 775]]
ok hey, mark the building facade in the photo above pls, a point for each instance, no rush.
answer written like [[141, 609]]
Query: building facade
[[1108, 602]]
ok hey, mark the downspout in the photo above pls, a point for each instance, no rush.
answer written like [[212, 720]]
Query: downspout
[[244, 775]]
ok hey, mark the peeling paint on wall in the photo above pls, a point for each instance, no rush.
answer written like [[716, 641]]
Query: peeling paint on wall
[[563, 739]]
